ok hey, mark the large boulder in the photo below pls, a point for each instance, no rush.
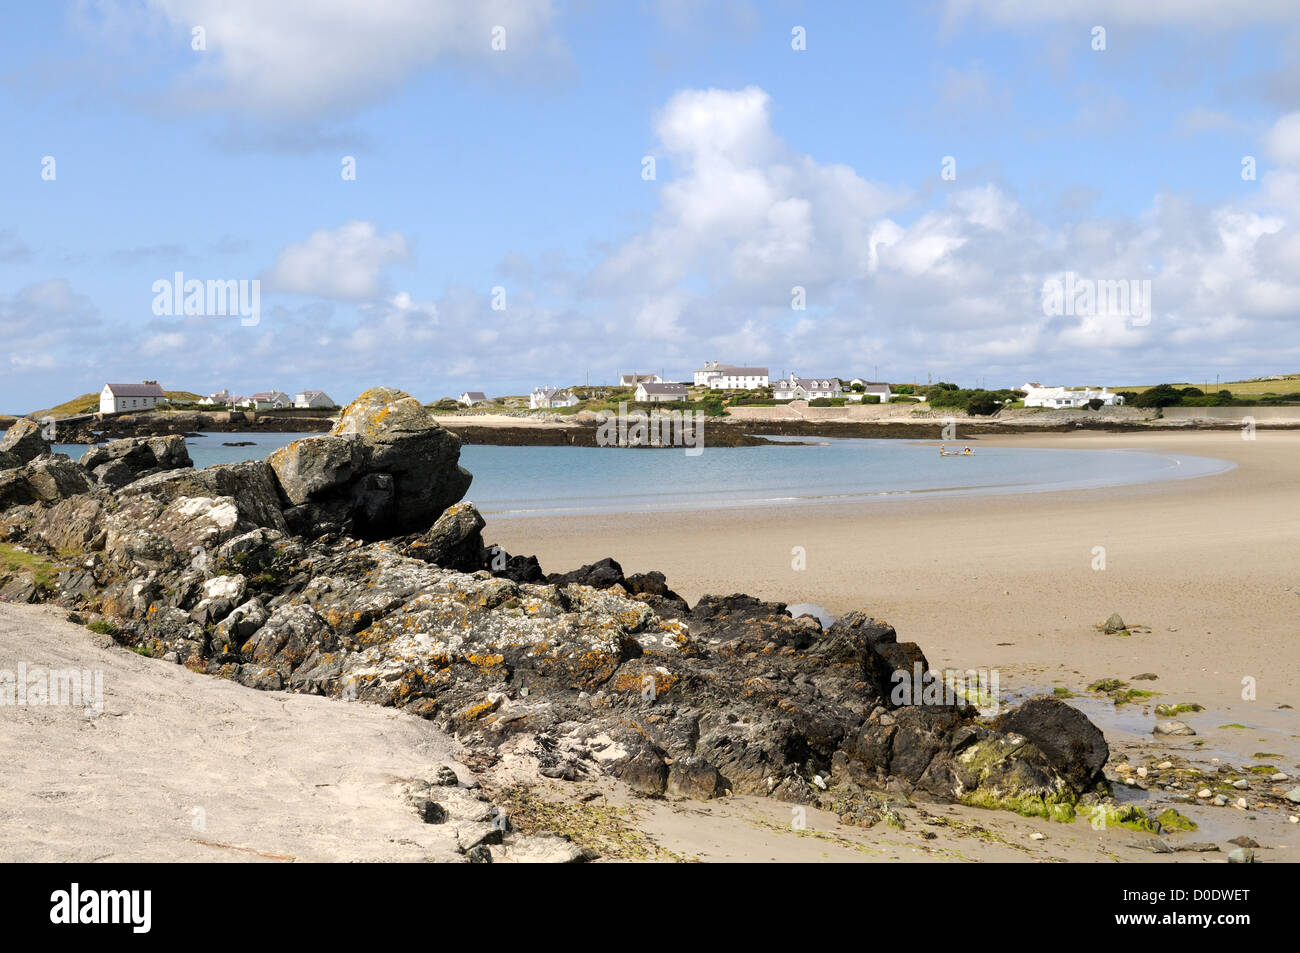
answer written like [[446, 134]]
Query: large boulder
[[1074, 746], [385, 469], [22, 443], [119, 462], [252, 485], [47, 479], [455, 541]]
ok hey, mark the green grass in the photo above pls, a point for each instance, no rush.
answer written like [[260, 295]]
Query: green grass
[[43, 571], [1255, 387], [102, 626]]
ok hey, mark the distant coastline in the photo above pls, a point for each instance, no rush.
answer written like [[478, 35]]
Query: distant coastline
[[751, 429]]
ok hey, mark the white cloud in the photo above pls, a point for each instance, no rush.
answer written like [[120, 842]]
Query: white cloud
[[1196, 13], [954, 280], [309, 58], [1283, 140], [344, 263]]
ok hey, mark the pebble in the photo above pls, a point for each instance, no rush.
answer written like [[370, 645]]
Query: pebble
[[1280, 776], [1293, 819], [818, 780], [1204, 792], [1220, 800], [1241, 784], [1241, 803], [1242, 855], [1037, 836], [1173, 728], [1293, 795], [1165, 765], [1142, 772]]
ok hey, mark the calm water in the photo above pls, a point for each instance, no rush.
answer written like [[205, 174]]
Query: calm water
[[557, 480]]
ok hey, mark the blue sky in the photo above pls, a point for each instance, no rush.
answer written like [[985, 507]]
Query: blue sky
[[521, 168]]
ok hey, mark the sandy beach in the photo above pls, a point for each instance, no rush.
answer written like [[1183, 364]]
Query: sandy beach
[[1205, 570], [1202, 570], [1208, 564]]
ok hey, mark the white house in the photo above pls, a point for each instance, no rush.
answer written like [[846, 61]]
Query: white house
[[471, 397], [631, 380], [545, 397], [220, 399], [730, 377], [118, 397], [806, 388], [702, 374], [654, 392], [1036, 395], [313, 398], [267, 400]]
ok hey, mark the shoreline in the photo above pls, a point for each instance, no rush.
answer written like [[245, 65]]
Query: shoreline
[[1202, 569], [1208, 564], [747, 429]]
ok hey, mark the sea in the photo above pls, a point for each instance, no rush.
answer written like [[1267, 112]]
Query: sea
[[551, 481]]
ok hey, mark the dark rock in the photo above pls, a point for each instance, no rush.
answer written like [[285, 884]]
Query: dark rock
[[431, 812], [693, 778], [1074, 746], [119, 462], [1244, 841], [455, 541], [515, 568], [599, 575], [646, 773], [46, 479], [23, 442], [251, 485]]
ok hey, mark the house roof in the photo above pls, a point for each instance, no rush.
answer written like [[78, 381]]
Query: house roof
[[731, 370], [869, 388], [135, 390], [808, 383], [312, 393], [663, 388], [475, 395], [268, 395]]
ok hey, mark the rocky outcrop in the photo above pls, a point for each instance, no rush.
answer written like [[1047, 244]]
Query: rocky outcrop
[[598, 671], [22, 443], [732, 695], [119, 462], [46, 479], [250, 485], [455, 541], [385, 469]]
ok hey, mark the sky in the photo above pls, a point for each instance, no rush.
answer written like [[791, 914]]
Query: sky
[[503, 194]]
